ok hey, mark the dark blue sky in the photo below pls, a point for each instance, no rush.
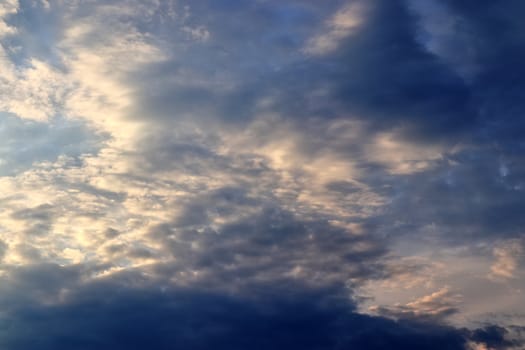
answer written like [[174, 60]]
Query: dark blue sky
[[259, 174]]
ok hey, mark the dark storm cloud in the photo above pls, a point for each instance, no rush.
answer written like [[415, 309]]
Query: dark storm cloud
[[105, 315], [492, 35], [477, 193], [380, 73], [494, 337], [385, 74], [36, 283]]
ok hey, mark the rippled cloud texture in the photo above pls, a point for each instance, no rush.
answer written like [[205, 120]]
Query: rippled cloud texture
[[260, 174]]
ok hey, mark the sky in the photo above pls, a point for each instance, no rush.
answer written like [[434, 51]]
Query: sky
[[262, 174]]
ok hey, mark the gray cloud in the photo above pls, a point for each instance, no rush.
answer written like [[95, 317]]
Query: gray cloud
[[105, 315], [221, 150]]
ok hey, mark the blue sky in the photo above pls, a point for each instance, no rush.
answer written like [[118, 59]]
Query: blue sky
[[262, 174]]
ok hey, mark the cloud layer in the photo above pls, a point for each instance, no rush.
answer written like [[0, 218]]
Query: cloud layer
[[261, 174]]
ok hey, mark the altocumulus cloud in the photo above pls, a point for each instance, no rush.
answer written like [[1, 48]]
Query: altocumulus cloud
[[261, 174]]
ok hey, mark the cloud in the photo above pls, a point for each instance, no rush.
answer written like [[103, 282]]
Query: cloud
[[103, 314], [48, 141], [180, 156], [6, 9], [492, 337], [507, 259], [32, 92], [437, 306], [345, 21], [3, 250]]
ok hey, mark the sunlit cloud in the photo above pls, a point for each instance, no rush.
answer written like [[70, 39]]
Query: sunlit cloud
[[337, 175], [342, 24], [508, 257]]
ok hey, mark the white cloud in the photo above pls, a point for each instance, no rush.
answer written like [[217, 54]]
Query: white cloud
[[342, 24], [33, 92], [8, 7]]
